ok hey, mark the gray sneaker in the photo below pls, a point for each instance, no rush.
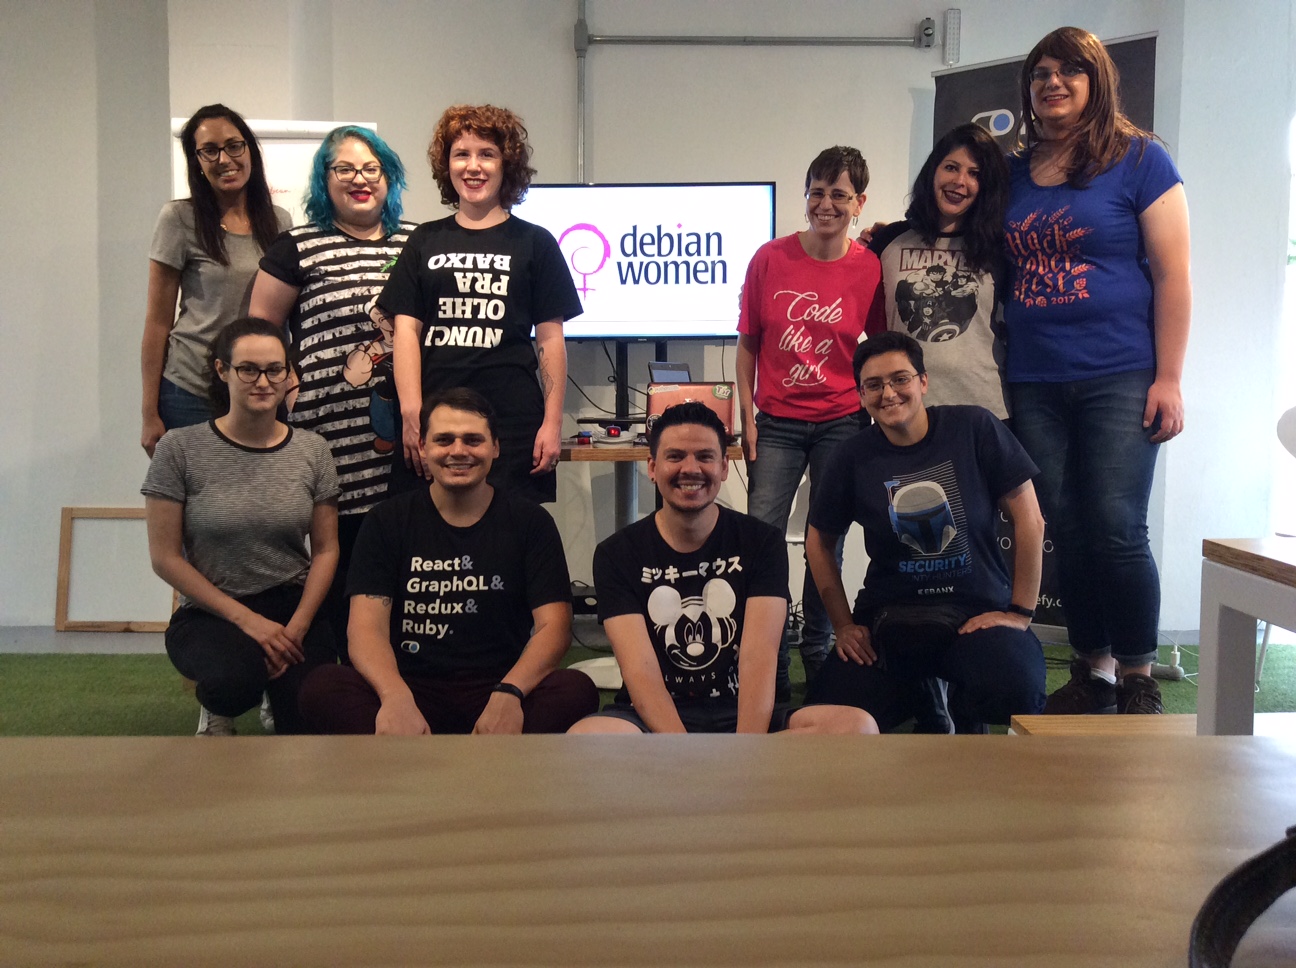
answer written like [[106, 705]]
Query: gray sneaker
[[209, 724]]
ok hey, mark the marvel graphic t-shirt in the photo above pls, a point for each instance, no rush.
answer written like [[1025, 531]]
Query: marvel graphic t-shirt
[[461, 597], [692, 603]]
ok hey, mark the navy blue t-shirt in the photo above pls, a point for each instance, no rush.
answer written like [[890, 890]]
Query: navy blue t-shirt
[[928, 510]]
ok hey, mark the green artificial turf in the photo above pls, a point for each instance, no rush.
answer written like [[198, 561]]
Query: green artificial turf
[[142, 695]]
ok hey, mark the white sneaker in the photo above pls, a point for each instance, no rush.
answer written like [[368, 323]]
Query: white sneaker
[[209, 724], [267, 714]]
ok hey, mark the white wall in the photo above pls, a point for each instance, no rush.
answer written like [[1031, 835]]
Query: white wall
[[654, 114], [85, 102]]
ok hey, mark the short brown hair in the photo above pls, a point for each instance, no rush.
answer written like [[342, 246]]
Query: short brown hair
[[498, 125]]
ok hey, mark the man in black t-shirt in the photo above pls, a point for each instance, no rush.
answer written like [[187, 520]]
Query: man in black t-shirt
[[460, 603], [926, 486], [694, 598]]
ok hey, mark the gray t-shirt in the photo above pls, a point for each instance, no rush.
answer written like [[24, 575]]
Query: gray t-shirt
[[247, 511], [211, 294], [934, 296]]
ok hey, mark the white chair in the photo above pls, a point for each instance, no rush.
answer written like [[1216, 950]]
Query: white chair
[[1287, 437]]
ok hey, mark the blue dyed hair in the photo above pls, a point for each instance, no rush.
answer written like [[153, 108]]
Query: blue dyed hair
[[319, 207]]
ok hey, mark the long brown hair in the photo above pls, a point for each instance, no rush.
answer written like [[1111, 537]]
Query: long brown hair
[[202, 197], [1103, 134]]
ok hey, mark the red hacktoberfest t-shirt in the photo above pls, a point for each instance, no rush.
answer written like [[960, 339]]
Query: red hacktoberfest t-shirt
[[806, 318]]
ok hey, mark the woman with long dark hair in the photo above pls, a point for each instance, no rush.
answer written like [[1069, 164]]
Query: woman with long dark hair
[[322, 280], [943, 265], [1097, 317], [205, 253], [230, 504], [469, 292]]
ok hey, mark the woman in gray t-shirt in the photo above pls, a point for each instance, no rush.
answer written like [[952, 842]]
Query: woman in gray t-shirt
[[205, 252], [230, 504]]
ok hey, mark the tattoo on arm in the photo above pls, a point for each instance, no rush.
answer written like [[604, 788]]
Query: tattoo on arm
[[546, 381], [383, 599]]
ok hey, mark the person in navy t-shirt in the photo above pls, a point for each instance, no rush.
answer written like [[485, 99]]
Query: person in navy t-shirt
[[926, 487]]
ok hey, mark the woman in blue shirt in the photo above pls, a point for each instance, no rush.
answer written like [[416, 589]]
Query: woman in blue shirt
[[1097, 320]]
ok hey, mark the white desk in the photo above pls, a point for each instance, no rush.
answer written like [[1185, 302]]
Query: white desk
[[1242, 582]]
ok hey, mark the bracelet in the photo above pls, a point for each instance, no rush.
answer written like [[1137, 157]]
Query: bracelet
[[1020, 610], [509, 688]]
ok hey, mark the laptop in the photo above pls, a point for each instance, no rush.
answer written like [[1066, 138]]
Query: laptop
[[718, 397]]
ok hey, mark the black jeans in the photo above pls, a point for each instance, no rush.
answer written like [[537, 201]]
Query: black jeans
[[229, 667]]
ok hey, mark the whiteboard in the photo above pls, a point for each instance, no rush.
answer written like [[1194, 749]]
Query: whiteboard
[[287, 148]]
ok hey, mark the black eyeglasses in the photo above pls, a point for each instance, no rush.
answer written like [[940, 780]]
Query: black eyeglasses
[[251, 373], [1041, 75], [234, 149], [347, 173], [897, 382]]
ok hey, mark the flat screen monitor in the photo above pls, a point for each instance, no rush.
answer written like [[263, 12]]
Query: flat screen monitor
[[655, 262]]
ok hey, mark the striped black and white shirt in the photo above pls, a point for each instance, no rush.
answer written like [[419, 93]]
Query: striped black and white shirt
[[347, 393]]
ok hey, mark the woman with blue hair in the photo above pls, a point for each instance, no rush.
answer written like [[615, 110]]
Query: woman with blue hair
[[321, 279]]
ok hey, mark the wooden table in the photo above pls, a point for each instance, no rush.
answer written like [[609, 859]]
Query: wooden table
[[1170, 724], [624, 456], [1242, 582], [562, 851]]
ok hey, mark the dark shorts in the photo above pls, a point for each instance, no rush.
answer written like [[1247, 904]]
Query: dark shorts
[[704, 716]]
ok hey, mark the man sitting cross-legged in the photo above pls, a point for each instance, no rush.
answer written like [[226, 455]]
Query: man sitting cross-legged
[[926, 487], [694, 598], [460, 603]]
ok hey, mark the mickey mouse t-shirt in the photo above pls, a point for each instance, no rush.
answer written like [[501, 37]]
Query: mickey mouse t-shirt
[[692, 602]]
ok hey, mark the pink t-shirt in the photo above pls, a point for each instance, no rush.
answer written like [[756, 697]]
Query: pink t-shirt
[[806, 318]]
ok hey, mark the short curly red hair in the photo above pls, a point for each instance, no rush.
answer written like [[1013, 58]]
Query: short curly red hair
[[498, 125]]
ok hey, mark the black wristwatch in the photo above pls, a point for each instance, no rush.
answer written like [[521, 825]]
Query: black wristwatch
[[1019, 610]]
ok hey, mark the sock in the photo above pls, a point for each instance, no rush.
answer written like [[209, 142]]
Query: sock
[[1108, 677]]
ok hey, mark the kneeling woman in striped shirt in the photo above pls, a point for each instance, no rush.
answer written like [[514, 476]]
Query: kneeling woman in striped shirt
[[230, 504]]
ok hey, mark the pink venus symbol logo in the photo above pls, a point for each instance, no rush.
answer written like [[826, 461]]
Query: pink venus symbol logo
[[587, 252]]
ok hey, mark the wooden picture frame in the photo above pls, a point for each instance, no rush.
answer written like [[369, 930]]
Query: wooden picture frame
[[61, 621]]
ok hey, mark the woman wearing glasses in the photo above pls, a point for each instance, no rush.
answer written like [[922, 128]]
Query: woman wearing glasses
[[1097, 319], [230, 504], [205, 251], [805, 304], [467, 294], [322, 280], [940, 265]]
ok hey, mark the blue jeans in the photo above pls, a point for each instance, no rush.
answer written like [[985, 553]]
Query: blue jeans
[[784, 449], [1096, 463], [179, 408]]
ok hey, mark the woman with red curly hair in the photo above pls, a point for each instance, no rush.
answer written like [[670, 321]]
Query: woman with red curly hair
[[467, 293]]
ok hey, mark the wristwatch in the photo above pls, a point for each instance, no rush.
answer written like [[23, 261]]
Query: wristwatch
[[1020, 610]]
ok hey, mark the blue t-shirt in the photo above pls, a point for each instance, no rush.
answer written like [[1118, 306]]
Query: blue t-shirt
[[1080, 302], [928, 510]]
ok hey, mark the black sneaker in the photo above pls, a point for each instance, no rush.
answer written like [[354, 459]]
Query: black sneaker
[[1139, 694], [1083, 695]]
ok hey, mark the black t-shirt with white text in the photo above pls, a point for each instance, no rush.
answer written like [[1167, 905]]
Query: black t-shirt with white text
[[461, 597], [692, 603], [479, 294]]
